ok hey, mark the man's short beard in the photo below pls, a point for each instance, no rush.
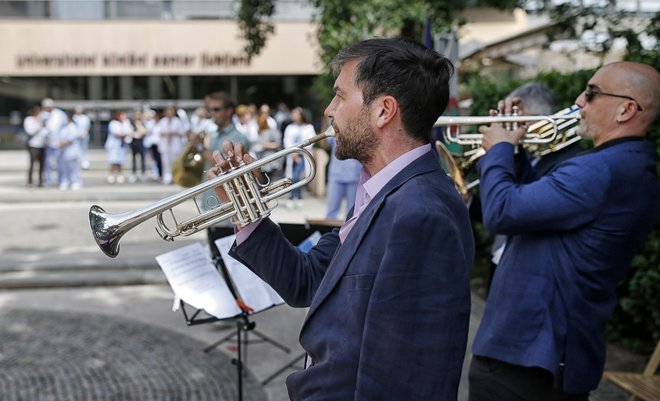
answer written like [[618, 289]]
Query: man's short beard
[[585, 130], [356, 140]]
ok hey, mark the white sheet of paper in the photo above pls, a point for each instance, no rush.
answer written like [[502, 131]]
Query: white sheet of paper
[[255, 292], [193, 278]]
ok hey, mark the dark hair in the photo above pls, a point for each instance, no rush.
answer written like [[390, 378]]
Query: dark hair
[[417, 77], [34, 110], [226, 100]]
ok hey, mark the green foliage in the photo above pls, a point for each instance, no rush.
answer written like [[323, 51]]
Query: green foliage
[[566, 87], [597, 20], [344, 22], [635, 50], [651, 57], [486, 90], [636, 319], [254, 23]]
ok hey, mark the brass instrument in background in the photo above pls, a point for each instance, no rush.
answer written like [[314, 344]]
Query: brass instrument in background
[[546, 135], [248, 201]]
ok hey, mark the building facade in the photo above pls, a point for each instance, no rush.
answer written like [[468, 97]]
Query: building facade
[[108, 55]]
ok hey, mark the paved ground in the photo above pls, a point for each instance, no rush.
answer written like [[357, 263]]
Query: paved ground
[[112, 359], [77, 325]]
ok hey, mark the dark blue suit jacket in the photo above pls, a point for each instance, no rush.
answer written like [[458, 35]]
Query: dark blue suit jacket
[[389, 309], [573, 234]]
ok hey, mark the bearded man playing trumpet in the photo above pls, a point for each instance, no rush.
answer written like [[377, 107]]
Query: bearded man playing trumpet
[[389, 291], [572, 235]]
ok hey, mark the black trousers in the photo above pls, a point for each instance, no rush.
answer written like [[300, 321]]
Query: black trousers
[[137, 149], [155, 155], [493, 380], [37, 156]]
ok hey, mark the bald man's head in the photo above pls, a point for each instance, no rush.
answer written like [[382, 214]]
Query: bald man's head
[[642, 82]]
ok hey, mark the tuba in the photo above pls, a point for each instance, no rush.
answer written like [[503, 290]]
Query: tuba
[[248, 201], [545, 135]]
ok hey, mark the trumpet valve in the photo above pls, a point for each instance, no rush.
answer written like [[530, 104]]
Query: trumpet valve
[[515, 112]]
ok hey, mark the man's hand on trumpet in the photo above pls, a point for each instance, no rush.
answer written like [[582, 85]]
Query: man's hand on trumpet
[[498, 132], [231, 157]]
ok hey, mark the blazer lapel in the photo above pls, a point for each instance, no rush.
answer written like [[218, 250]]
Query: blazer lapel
[[346, 251]]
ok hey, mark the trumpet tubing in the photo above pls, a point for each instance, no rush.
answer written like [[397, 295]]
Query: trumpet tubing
[[248, 201], [544, 130], [545, 135]]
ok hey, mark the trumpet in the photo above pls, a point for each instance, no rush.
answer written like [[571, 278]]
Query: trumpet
[[248, 201], [546, 135], [545, 130]]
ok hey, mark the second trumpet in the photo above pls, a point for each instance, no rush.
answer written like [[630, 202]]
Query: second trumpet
[[544, 130]]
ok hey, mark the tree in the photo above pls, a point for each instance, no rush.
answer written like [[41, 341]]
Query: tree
[[254, 23], [344, 22]]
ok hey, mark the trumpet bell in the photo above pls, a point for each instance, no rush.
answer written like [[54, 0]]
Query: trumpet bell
[[456, 170], [451, 167], [104, 232]]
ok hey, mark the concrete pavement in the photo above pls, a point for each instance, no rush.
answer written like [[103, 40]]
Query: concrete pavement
[[60, 292]]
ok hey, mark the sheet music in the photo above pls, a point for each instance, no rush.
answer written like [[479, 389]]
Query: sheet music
[[254, 292], [194, 278]]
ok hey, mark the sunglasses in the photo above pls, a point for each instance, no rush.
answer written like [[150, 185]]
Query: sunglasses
[[591, 92]]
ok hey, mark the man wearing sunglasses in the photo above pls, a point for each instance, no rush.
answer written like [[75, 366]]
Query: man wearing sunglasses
[[572, 235], [220, 108]]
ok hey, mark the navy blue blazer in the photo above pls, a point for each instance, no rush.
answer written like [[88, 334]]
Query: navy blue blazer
[[389, 309], [573, 234]]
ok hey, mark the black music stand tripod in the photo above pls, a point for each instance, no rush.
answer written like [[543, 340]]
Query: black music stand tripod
[[243, 323]]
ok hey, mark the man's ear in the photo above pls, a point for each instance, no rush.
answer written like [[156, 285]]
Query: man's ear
[[387, 108], [626, 111]]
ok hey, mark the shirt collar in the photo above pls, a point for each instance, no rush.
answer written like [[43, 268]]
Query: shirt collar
[[373, 185], [611, 143]]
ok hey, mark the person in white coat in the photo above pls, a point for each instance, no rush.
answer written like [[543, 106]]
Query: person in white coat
[[84, 123], [70, 142], [119, 130], [172, 138], [54, 120], [299, 130]]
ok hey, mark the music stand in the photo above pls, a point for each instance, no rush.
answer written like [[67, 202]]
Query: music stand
[[243, 323], [295, 233]]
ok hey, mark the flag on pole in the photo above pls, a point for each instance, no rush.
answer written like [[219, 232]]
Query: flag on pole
[[427, 36]]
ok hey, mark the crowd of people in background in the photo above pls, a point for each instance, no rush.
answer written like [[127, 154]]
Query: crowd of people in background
[[142, 145], [151, 140], [57, 144]]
